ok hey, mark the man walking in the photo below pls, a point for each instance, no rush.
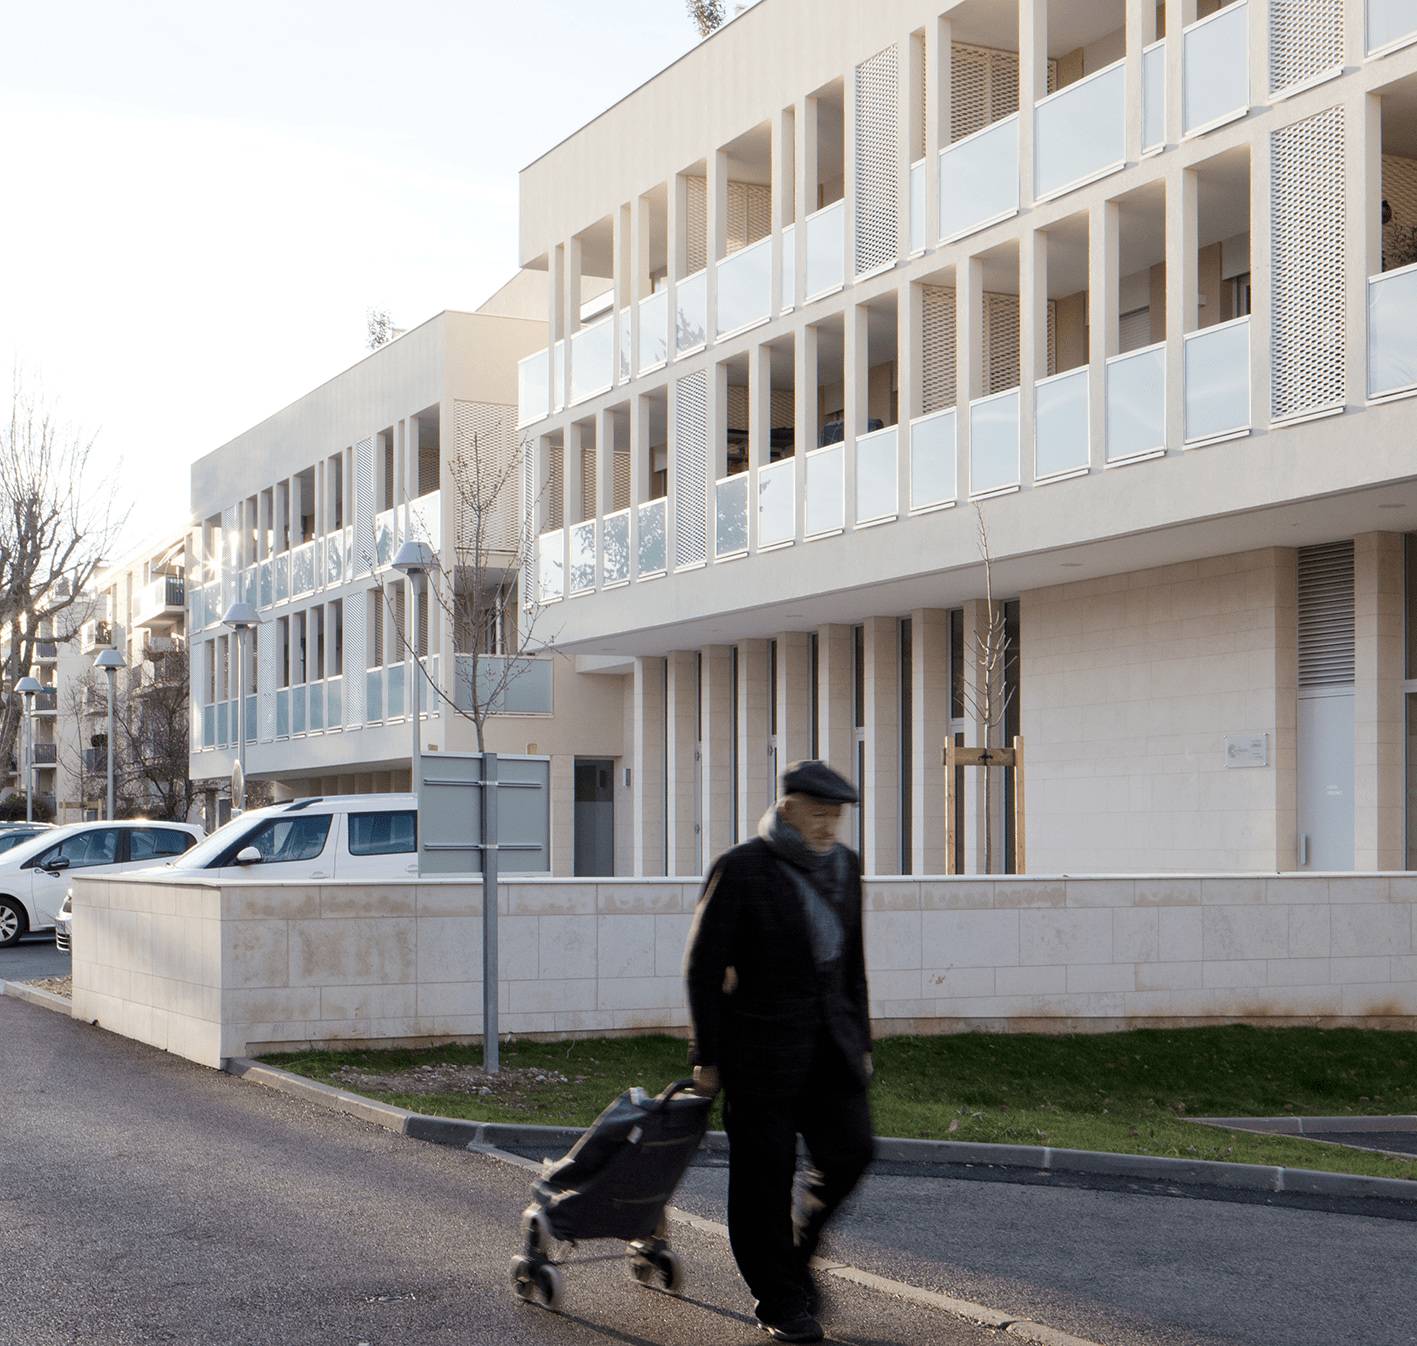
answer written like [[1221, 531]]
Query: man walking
[[777, 993]]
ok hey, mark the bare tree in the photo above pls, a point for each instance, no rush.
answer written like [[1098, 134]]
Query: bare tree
[[707, 15], [989, 696], [81, 753], [486, 590], [56, 523], [381, 328], [153, 730]]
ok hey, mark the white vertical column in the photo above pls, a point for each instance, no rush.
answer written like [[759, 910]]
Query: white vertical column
[[759, 428], [882, 743], [1179, 15], [717, 234], [910, 322], [1379, 730], [806, 122], [1104, 330], [806, 412], [605, 420], [556, 327], [1032, 342], [1260, 267], [647, 772], [969, 350], [835, 697], [619, 248], [1355, 34], [1363, 168], [639, 272], [681, 760], [1182, 295], [851, 188], [716, 426], [640, 465], [910, 60], [1032, 85], [794, 698], [755, 790], [939, 78], [1137, 36], [930, 727], [571, 486], [857, 370], [716, 749], [782, 190]]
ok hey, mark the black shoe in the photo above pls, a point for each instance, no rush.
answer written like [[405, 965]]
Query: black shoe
[[799, 1327], [812, 1291]]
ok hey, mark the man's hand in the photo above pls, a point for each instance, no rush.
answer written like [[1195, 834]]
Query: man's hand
[[706, 1081], [869, 1064]]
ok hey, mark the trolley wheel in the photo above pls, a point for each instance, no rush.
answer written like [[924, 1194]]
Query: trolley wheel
[[551, 1285], [537, 1229], [671, 1271], [641, 1269], [523, 1273]]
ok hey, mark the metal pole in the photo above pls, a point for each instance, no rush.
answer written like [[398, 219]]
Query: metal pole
[[491, 1053], [111, 676], [415, 688], [238, 805], [29, 758]]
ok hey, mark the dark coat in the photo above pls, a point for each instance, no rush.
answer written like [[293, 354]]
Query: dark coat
[[763, 1034]]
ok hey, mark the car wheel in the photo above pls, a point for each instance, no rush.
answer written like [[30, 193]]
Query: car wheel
[[13, 922]]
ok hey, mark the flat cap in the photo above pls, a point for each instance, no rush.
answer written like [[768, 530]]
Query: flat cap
[[820, 781]]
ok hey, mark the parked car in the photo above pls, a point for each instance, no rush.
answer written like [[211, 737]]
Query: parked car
[[11, 834], [338, 836], [34, 875]]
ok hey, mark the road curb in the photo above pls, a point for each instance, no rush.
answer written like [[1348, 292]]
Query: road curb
[[1021, 1159], [38, 996]]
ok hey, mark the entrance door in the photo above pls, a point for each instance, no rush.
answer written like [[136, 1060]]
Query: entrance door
[[595, 817], [1326, 780]]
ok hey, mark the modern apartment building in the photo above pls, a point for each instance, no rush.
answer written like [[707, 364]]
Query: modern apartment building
[[302, 516], [1135, 285]]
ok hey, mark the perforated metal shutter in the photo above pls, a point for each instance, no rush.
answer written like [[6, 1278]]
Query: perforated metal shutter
[[984, 87], [877, 160], [1326, 624], [485, 478], [621, 469], [356, 628], [588, 466], [555, 485], [695, 224], [1305, 41], [691, 470], [919, 95], [364, 506], [1309, 249], [938, 348], [267, 674], [749, 214], [1001, 342]]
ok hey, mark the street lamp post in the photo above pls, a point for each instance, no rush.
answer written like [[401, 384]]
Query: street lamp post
[[110, 661], [415, 561], [241, 617], [28, 687]]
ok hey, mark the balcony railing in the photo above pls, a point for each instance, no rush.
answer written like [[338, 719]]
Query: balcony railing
[[654, 331], [1392, 333], [46, 651], [877, 476], [615, 549], [581, 567], [533, 388], [163, 601], [777, 504], [1136, 403], [386, 541], [691, 313], [280, 570], [745, 288], [46, 754], [917, 206], [1080, 132], [652, 538], [1391, 23], [95, 635], [624, 369], [1216, 84], [730, 516], [551, 566], [1218, 382], [994, 443], [933, 457], [826, 251], [825, 511], [522, 686], [302, 570], [592, 360], [789, 267], [1061, 425], [558, 376], [979, 179], [1153, 97]]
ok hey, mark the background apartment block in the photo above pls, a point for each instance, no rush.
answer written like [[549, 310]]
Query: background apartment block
[[1137, 280]]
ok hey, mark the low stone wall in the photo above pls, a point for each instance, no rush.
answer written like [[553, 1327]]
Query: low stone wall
[[211, 970]]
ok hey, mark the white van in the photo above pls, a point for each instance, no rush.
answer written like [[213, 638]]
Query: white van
[[34, 875]]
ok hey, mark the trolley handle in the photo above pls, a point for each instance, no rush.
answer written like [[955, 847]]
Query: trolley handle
[[678, 1087]]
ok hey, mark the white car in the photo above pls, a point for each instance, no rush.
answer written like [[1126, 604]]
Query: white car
[[34, 876]]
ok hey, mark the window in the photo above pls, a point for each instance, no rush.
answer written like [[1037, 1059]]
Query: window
[[97, 846], [149, 843], [13, 839], [284, 839], [383, 833]]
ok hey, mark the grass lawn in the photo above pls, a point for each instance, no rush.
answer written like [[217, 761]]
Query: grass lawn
[[1126, 1092]]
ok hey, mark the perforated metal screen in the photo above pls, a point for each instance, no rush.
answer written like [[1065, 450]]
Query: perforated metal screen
[[1305, 40], [938, 348], [488, 431], [267, 674], [364, 506], [691, 470], [877, 160], [1326, 615], [356, 638], [1309, 249], [984, 87]]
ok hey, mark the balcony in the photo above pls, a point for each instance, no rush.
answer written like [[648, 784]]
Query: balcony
[[933, 450], [509, 686], [533, 388], [1217, 365], [789, 268], [1080, 132], [825, 510], [1153, 98], [744, 289], [730, 516], [979, 180], [161, 604], [877, 469], [918, 189], [46, 652], [777, 504], [1216, 82], [691, 314], [46, 754], [826, 251], [1390, 24], [1062, 444], [46, 702], [592, 360], [654, 331], [1136, 404], [652, 539], [95, 635], [1392, 333], [581, 565], [994, 443], [551, 566], [615, 549]]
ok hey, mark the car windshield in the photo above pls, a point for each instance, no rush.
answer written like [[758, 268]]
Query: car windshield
[[209, 848]]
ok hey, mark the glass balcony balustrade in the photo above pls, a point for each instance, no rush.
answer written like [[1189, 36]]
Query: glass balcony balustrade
[[395, 679], [558, 376], [979, 179], [624, 361], [651, 538], [826, 251], [592, 360], [551, 566], [654, 331], [283, 713], [582, 558], [209, 726], [777, 504], [302, 569], [334, 559], [993, 443], [1216, 80], [933, 457], [297, 708], [691, 313], [281, 571], [745, 288], [373, 695], [730, 527], [385, 537], [918, 188], [316, 713], [506, 686], [1390, 24], [1217, 367], [789, 268], [877, 474], [533, 388], [425, 517], [334, 703], [1061, 433], [825, 510], [615, 549], [1136, 403], [1153, 97], [1080, 132], [1392, 333]]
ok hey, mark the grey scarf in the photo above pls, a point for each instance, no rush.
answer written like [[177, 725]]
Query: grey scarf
[[818, 878]]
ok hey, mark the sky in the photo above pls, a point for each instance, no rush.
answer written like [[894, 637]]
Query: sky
[[205, 200]]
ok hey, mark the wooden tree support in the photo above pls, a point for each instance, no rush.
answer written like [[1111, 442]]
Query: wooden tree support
[[987, 758]]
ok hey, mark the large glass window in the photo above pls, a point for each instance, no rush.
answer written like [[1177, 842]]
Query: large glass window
[[383, 833], [95, 846], [152, 843], [284, 839]]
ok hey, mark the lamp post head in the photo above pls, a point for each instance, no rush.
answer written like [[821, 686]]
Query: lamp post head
[[28, 686], [241, 616], [110, 661], [415, 558]]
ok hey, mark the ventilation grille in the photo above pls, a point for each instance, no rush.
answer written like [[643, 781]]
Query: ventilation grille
[[1309, 249], [485, 478], [266, 676], [938, 348], [355, 641], [364, 506], [1326, 615], [877, 160], [691, 470], [1305, 40]]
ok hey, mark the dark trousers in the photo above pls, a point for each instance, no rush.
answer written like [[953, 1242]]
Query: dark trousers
[[771, 1242]]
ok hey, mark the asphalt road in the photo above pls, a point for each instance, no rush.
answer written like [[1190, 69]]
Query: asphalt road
[[34, 956], [144, 1199]]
